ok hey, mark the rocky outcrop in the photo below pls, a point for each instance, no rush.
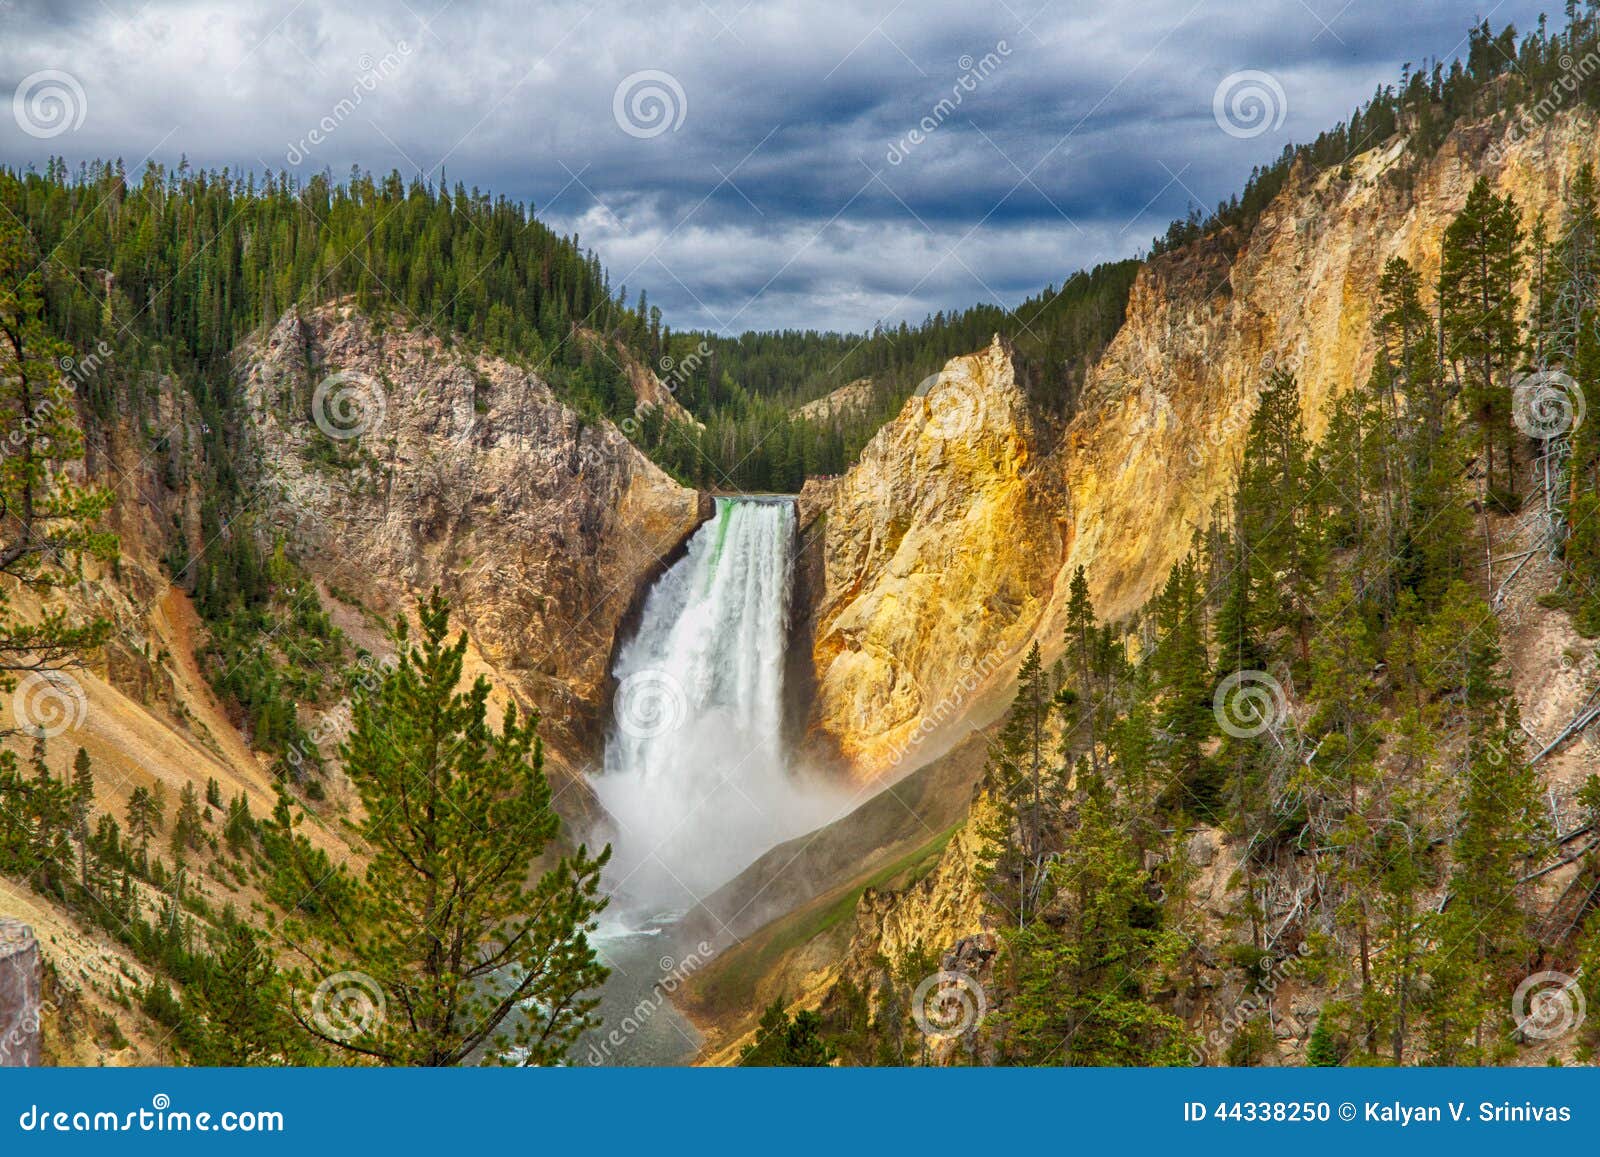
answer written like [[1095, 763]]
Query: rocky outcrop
[[396, 464], [848, 400], [942, 547], [20, 979], [942, 908]]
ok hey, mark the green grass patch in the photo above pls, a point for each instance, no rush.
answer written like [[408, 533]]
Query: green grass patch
[[729, 985]]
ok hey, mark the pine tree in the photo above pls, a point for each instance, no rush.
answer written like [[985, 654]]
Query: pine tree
[[1080, 987], [782, 1040], [1275, 525], [1482, 933], [144, 819], [448, 926], [1085, 661], [1321, 1050], [187, 827], [239, 1002], [82, 809], [1018, 776], [1481, 265], [1182, 681]]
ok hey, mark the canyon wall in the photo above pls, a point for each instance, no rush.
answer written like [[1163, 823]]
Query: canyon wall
[[1164, 414], [1154, 445], [396, 464], [941, 549], [950, 545]]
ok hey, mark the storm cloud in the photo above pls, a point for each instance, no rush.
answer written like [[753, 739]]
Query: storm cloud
[[751, 165]]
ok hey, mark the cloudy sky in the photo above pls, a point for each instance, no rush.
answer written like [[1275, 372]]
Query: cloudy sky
[[752, 164]]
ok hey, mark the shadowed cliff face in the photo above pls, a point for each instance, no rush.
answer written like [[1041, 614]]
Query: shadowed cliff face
[[395, 464]]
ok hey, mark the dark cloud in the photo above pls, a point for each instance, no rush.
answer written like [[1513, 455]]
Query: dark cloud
[[789, 185]]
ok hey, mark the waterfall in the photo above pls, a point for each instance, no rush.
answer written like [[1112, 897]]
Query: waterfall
[[696, 778]]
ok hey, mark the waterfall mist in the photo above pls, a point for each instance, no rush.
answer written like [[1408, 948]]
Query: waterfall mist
[[696, 776]]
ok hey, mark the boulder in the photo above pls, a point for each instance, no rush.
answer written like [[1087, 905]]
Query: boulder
[[19, 994]]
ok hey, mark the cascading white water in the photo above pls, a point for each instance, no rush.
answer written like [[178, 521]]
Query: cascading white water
[[696, 776]]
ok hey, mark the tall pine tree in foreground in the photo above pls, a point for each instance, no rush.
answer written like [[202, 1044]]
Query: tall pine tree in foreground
[[469, 955]]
